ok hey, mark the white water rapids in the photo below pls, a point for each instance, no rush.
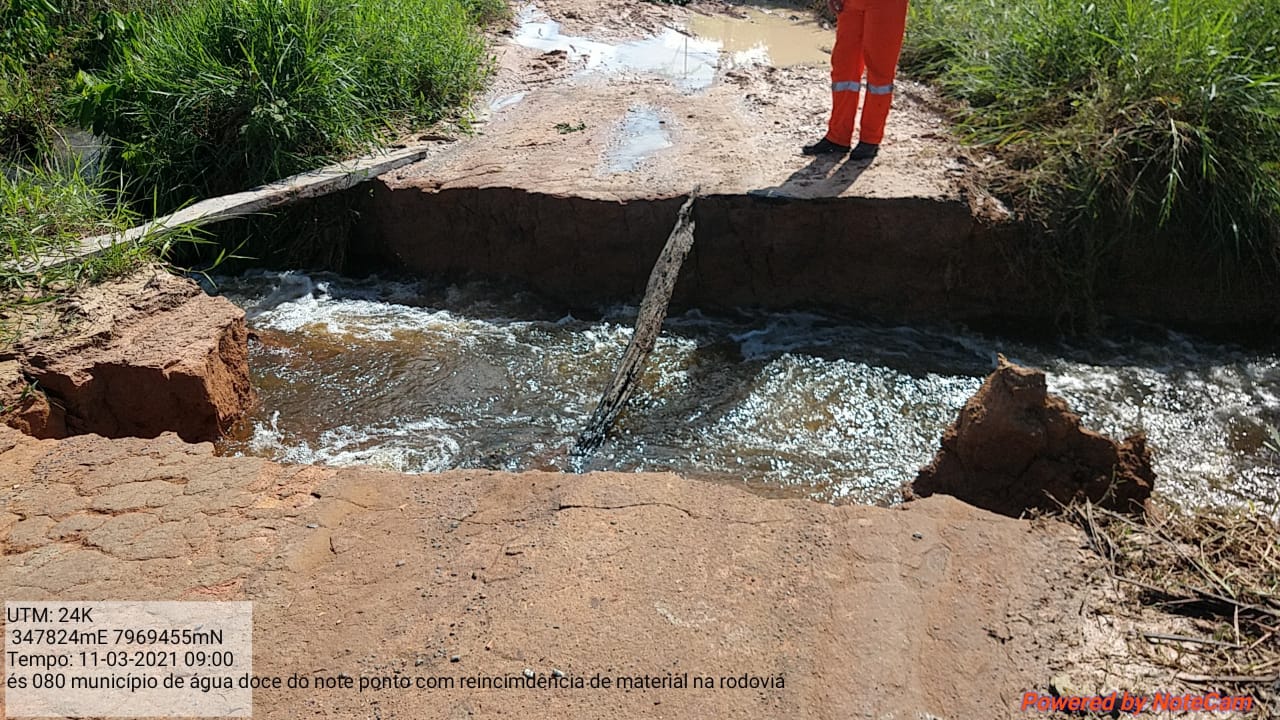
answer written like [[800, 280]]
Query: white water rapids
[[419, 378]]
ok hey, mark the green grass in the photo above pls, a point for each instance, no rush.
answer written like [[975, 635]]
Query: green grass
[[44, 212], [488, 12], [47, 202], [42, 45], [214, 96], [198, 98], [1127, 121]]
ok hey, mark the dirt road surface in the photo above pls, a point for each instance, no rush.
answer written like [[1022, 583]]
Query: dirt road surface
[[934, 610]]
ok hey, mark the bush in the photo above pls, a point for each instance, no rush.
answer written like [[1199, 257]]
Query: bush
[[486, 12], [218, 95], [44, 44], [1128, 121]]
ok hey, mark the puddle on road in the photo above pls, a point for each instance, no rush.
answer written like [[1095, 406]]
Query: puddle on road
[[689, 59], [641, 133], [505, 101], [689, 62], [767, 37]]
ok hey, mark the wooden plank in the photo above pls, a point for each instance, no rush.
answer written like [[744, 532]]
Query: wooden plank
[[653, 310], [315, 183]]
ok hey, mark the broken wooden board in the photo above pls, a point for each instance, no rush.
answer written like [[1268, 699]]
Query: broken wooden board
[[315, 183], [653, 310]]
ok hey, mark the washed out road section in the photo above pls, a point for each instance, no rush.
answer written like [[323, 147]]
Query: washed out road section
[[359, 573]]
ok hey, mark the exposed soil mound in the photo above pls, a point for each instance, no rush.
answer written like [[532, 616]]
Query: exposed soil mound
[[135, 357], [1015, 448]]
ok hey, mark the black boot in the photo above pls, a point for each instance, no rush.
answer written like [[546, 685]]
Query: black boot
[[824, 147], [864, 151]]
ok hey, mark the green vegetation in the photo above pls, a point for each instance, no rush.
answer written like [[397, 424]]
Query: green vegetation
[[488, 12], [565, 128], [48, 202], [217, 95], [1135, 121], [202, 97], [44, 43], [45, 212]]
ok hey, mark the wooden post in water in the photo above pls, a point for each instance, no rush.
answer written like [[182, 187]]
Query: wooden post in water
[[653, 310]]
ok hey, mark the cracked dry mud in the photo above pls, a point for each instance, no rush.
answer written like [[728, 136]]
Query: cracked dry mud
[[864, 611]]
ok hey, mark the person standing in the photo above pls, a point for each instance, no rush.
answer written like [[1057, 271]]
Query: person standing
[[868, 37]]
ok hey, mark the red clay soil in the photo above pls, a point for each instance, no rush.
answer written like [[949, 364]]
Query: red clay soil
[[138, 356], [860, 612], [1015, 447]]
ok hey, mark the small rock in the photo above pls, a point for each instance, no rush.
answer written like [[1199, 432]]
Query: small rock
[[917, 536], [400, 563], [528, 673], [455, 658], [312, 526], [557, 673], [1061, 686]]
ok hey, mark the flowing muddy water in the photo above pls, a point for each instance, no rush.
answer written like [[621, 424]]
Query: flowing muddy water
[[421, 378]]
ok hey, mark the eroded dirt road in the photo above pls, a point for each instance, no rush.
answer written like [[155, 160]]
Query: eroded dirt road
[[938, 609]]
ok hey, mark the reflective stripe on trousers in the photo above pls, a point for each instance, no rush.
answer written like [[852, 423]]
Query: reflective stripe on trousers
[[868, 39]]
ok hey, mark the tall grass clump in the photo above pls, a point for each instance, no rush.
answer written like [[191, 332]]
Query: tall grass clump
[[487, 12], [1154, 122], [213, 96], [45, 211]]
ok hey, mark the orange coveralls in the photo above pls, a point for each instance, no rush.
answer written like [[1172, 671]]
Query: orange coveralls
[[868, 36]]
